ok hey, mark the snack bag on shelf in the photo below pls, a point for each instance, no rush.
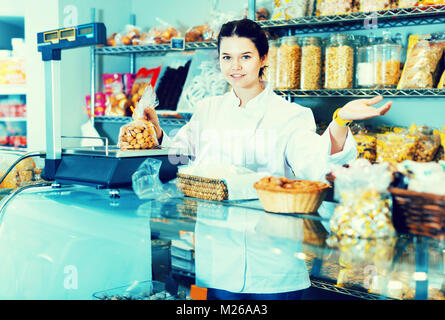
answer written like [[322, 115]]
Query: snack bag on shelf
[[426, 145], [395, 147], [334, 7], [407, 3], [440, 85], [116, 100], [289, 9], [429, 2], [140, 134], [424, 62], [199, 33], [376, 5], [100, 104], [364, 203], [162, 33], [143, 78]]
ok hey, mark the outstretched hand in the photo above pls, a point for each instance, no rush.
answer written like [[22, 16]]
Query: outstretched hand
[[361, 109]]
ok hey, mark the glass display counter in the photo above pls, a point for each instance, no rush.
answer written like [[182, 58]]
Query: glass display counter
[[230, 245]]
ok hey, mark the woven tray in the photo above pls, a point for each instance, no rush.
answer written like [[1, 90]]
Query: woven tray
[[202, 188], [418, 213]]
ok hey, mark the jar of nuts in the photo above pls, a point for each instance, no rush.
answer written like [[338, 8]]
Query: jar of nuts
[[311, 57], [270, 74], [387, 62], [339, 62], [288, 61]]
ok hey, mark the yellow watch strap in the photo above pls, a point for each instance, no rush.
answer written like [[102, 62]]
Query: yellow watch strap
[[340, 121]]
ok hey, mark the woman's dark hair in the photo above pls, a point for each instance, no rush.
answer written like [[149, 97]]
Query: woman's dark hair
[[246, 28]]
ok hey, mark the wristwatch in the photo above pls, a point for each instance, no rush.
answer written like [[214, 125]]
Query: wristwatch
[[342, 123]]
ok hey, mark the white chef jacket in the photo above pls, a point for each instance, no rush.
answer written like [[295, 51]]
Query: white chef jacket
[[270, 134], [249, 252]]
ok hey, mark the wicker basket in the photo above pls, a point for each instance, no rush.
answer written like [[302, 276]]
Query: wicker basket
[[202, 188], [418, 213]]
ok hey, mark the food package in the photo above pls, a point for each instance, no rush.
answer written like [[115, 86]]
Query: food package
[[12, 71], [140, 134], [366, 146], [406, 3], [441, 152], [364, 203], [24, 173], [199, 33], [289, 9], [100, 104], [426, 145], [424, 62], [334, 7], [162, 33], [440, 85], [428, 177], [376, 5], [429, 2], [143, 78], [395, 147]]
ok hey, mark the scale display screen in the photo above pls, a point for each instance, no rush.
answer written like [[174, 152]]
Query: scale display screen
[[83, 31], [67, 33], [51, 36]]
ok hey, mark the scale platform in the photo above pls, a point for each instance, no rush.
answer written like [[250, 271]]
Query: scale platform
[[110, 167]]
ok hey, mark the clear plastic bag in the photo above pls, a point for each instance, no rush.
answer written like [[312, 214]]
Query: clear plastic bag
[[424, 62], [364, 209], [147, 185], [140, 134]]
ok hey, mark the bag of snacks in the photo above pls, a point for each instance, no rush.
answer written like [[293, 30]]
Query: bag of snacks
[[143, 78], [334, 7], [364, 203], [423, 63], [426, 145], [395, 147], [140, 134]]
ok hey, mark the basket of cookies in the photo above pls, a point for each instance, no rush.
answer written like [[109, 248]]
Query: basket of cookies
[[282, 195]]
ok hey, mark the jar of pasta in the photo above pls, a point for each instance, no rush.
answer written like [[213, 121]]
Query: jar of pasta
[[311, 58], [339, 62], [387, 62], [288, 61], [270, 74]]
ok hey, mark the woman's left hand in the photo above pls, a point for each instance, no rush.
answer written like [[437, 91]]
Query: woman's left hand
[[361, 109]]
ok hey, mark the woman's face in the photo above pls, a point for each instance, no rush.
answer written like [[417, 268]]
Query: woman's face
[[240, 62]]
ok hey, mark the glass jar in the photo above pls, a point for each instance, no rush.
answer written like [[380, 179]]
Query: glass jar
[[270, 74], [311, 59], [387, 62], [288, 61], [339, 62]]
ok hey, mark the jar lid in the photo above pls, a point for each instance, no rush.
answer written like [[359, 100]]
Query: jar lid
[[311, 40], [289, 39]]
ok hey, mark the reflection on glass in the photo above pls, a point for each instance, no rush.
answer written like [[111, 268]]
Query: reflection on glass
[[249, 255]]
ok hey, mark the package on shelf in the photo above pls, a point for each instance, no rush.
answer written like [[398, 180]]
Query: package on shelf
[[12, 71], [143, 78], [407, 3], [441, 83], [200, 33], [376, 5], [289, 9], [429, 2], [204, 79], [335, 7], [424, 63], [100, 104]]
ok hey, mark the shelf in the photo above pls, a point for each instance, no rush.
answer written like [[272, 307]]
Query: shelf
[[12, 119], [421, 93], [12, 89], [425, 15], [150, 50]]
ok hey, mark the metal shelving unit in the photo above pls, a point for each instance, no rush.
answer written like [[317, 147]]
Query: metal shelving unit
[[357, 20], [325, 93], [152, 50]]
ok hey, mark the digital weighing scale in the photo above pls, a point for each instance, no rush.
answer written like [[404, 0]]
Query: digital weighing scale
[[102, 167]]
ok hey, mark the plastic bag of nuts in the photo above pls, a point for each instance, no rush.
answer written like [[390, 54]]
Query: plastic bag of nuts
[[140, 134]]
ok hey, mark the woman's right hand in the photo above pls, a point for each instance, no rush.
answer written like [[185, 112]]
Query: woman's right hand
[[150, 115]]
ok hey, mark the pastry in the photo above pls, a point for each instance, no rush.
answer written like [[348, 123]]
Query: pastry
[[283, 195]]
